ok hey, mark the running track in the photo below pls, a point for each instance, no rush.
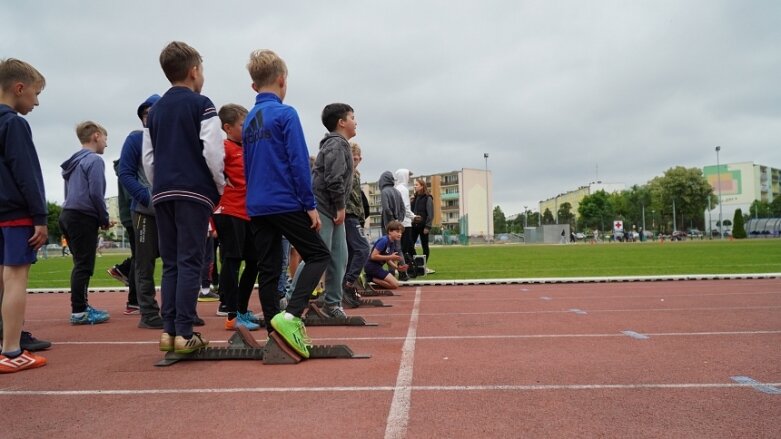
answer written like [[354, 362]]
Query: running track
[[638, 359]]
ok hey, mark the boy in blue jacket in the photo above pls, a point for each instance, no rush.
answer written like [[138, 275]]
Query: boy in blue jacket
[[23, 210], [280, 200], [183, 160], [83, 212]]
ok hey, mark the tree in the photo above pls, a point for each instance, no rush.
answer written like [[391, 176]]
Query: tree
[[53, 221], [688, 189], [547, 217], [500, 221], [738, 231], [566, 216], [775, 207], [595, 211], [759, 209]]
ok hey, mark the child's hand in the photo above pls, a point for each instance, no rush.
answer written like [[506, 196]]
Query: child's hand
[[40, 234], [315, 218], [403, 267]]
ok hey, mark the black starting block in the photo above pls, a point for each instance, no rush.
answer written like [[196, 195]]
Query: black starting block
[[242, 346], [314, 316], [366, 290]]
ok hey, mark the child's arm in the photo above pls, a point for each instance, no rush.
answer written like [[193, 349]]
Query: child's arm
[[96, 181], [22, 160], [213, 146], [129, 161], [148, 157], [299, 160]]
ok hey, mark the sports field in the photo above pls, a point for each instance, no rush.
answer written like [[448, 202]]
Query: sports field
[[525, 261]]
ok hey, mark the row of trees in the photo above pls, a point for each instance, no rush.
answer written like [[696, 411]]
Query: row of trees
[[684, 189]]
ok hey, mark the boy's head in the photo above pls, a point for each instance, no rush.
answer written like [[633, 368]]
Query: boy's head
[[92, 136], [20, 85], [267, 70], [356, 150], [395, 229], [232, 119], [181, 63], [340, 118]]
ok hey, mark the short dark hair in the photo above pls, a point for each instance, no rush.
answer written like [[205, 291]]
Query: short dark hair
[[395, 225], [177, 58], [231, 113], [333, 113]]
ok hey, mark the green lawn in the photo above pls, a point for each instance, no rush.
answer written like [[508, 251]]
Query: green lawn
[[518, 261]]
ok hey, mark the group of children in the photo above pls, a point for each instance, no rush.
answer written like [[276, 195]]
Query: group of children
[[183, 179]]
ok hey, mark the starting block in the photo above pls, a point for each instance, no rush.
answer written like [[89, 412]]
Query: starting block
[[314, 316], [242, 346], [366, 290]]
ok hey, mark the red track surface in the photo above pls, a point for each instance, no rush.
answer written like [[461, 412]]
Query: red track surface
[[466, 361]]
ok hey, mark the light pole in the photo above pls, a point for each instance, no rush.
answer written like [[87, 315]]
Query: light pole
[[525, 217], [487, 202], [718, 183]]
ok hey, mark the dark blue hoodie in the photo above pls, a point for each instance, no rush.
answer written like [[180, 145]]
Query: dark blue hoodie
[[21, 181], [85, 185]]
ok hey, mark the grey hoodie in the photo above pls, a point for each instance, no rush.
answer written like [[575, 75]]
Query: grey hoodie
[[85, 185], [402, 185], [332, 175], [391, 201]]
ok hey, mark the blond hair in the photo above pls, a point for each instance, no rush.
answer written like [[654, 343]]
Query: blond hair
[[13, 70], [265, 66], [355, 148], [86, 129], [177, 58]]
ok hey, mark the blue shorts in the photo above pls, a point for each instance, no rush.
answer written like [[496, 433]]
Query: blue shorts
[[14, 248], [375, 272]]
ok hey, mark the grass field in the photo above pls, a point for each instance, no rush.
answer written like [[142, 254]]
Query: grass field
[[523, 261]]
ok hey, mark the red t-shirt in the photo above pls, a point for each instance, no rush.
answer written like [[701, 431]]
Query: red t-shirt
[[234, 199], [17, 222]]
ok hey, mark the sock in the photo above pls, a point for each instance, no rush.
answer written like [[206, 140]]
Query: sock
[[231, 315], [13, 354]]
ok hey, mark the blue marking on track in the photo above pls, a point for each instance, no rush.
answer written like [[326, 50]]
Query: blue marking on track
[[635, 335], [756, 385]]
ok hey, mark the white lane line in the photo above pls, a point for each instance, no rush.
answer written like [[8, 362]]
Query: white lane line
[[398, 416], [456, 337], [480, 388]]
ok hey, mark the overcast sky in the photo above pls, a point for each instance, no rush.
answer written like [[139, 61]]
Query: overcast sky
[[559, 93]]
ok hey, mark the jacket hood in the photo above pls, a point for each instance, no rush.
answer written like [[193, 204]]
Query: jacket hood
[[386, 179], [147, 103], [5, 109], [330, 136], [68, 166], [402, 176]]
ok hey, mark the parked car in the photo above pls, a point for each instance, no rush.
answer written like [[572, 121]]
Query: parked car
[[678, 235], [695, 234]]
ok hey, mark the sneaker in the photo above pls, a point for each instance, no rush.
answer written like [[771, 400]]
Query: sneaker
[[198, 321], [251, 317], [188, 346], [222, 310], [166, 342], [118, 275], [90, 316], [207, 295], [246, 320], [350, 296], [334, 311], [154, 322], [132, 310], [293, 331], [29, 343], [283, 303], [240, 320], [24, 361]]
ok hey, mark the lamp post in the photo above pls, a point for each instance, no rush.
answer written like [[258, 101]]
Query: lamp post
[[718, 183], [525, 217], [487, 202]]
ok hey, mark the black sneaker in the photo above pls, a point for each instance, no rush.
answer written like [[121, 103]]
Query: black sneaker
[[222, 310], [350, 296], [154, 322], [29, 343], [334, 311], [198, 321]]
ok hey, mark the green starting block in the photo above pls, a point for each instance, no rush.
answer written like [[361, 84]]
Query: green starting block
[[242, 346]]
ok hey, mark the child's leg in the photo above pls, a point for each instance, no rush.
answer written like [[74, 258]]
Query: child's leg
[[247, 284], [82, 233], [208, 263], [268, 244], [282, 284], [14, 302], [388, 283], [334, 238], [147, 251], [192, 224], [358, 246]]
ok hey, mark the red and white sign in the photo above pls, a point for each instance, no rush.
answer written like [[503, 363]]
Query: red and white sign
[[618, 226]]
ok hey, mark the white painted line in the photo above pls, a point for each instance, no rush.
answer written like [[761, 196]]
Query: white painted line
[[398, 416], [456, 337], [480, 388]]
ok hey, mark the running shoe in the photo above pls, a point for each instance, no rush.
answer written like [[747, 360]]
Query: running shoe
[[207, 295], [25, 360], [222, 310], [117, 274], [166, 342], [334, 311], [90, 316], [29, 343], [132, 310], [188, 346], [293, 331]]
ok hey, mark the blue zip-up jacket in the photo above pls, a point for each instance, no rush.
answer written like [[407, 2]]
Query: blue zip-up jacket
[[182, 149], [21, 181], [85, 185], [276, 159], [131, 169]]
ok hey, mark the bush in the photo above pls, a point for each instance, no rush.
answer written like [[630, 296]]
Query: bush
[[738, 230]]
